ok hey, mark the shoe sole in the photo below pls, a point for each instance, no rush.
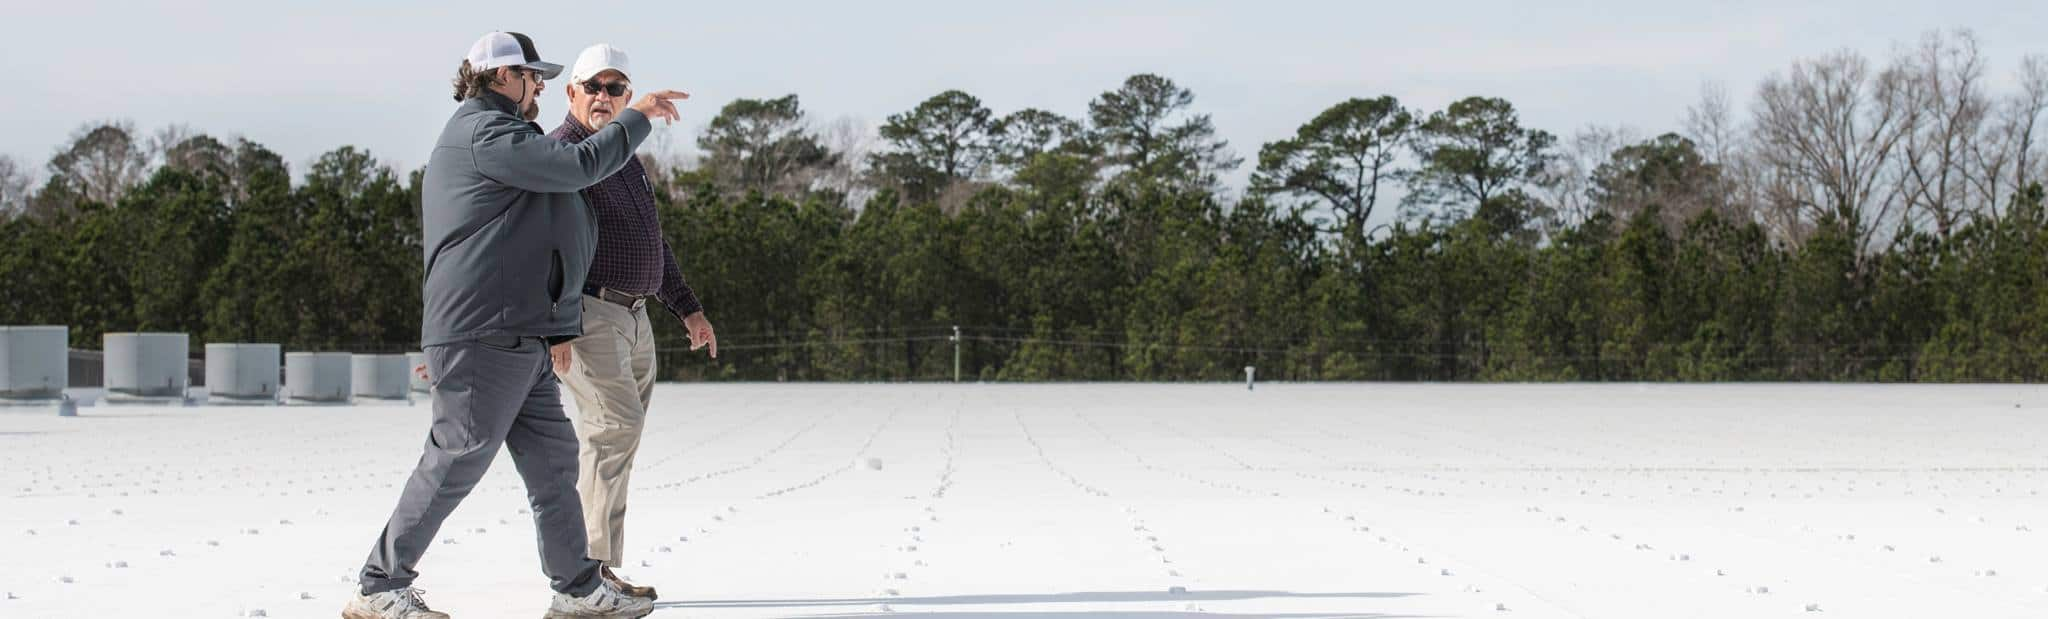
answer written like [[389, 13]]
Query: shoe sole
[[634, 615], [351, 614]]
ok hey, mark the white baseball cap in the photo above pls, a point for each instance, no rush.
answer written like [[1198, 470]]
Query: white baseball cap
[[509, 49], [597, 59]]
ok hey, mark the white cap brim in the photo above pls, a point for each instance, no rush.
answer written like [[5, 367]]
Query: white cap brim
[[598, 59]]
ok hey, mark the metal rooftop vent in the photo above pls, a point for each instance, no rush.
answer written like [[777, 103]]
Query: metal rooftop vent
[[146, 366], [34, 362], [317, 377], [243, 373], [381, 377]]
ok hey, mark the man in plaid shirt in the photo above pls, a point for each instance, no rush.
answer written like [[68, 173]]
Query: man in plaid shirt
[[610, 370]]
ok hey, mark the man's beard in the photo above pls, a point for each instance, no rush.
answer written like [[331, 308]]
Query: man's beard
[[532, 109]]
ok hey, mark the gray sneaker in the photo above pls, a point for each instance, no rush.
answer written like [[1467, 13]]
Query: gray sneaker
[[604, 602], [394, 604]]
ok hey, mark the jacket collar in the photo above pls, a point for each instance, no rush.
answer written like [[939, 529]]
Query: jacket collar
[[491, 100]]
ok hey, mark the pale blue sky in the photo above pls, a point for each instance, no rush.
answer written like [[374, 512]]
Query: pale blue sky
[[305, 77]]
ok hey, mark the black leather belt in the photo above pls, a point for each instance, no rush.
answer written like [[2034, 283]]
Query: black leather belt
[[632, 301]]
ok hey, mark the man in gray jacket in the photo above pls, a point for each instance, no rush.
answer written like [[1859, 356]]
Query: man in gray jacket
[[507, 242]]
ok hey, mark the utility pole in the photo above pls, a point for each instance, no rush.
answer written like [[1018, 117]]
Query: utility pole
[[956, 353]]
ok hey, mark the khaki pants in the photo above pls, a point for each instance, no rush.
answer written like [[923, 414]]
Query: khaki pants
[[611, 374]]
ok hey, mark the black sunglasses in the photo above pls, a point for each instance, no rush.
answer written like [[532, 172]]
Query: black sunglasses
[[616, 89]]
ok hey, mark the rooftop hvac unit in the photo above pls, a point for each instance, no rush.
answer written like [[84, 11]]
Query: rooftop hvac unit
[[381, 377], [317, 377], [146, 366], [415, 360], [34, 362], [243, 373]]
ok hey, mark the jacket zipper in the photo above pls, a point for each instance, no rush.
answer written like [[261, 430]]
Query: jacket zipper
[[558, 280]]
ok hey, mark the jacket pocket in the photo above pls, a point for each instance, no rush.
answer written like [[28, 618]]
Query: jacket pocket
[[556, 273]]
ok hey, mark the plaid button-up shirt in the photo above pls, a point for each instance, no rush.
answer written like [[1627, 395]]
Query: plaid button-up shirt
[[632, 256]]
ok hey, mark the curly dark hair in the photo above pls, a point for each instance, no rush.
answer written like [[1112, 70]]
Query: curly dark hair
[[471, 83]]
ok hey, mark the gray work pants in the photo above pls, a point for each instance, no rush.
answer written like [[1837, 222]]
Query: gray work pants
[[490, 392]]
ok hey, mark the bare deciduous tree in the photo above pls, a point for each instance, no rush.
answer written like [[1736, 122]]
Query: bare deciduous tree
[[852, 140], [13, 187], [197, 154], [170, 136], [662, 157], [2006, 156], [103, 161], [1567, 183], [1711, 123], [1943, 80], [1825, 135], [2033, 105]]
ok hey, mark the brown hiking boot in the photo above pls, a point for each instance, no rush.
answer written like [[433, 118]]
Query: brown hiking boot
[[626, 587]]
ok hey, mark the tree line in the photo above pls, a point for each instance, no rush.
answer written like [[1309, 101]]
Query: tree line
[[1859, 220]]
